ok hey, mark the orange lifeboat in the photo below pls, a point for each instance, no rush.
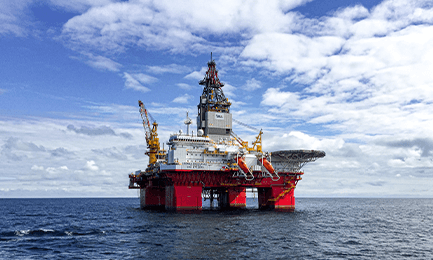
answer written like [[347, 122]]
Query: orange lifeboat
[[242, 164], [267, 165]]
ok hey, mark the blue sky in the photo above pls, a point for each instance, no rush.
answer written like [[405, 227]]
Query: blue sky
[[352, 78]]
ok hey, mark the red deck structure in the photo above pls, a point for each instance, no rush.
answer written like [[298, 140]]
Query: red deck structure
[[185, 190]]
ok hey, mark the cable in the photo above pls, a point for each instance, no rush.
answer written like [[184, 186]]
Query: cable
[[247, 126]]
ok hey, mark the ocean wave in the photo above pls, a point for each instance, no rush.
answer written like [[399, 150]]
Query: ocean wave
[[319, 229], [50, 232]]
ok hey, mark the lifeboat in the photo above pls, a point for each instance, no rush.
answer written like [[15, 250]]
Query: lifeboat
[[242, 164], [267, 165]]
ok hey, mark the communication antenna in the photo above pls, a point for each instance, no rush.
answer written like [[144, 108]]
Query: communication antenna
[[187, 122]]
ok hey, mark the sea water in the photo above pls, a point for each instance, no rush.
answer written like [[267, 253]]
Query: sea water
[[116, 228]]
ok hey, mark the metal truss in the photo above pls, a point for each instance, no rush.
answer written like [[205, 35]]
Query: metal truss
[[294, 160]]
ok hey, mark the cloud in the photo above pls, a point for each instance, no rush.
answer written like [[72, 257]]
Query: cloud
[[135, 151], [132, 83], [126, 135], [197, 75], [112, 152], [13, 17], [182, 99], [171, 68], [13, 143], [355, 83], [61, 152], [376, 183], [37, 168], [353, 68], [145, 79], [284, 53], [115, 26], [135, 81], [102, 130], [178, 27], [91, 131], [184, 86], [56, 170], [16, 149], [91, 165], [275, 97], [111, 112], [359, 69], [367, 81], [55, 173], [59, 159], [229, 90], [80, 5], [424, 144], [252, 84], [103, 63]]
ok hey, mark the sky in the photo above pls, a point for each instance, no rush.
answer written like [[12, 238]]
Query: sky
[[351, 78]]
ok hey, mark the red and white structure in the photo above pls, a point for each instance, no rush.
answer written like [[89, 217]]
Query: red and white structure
[[215, 163]]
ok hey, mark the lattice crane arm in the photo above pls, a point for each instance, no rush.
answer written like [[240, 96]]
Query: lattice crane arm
[[152, 139], [257, 144], [240, 141], [145, 118]]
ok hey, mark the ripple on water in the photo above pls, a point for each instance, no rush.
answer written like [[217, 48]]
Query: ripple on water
[[116, 228]]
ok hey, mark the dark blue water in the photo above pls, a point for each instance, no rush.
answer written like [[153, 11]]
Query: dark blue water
[[118, 229]]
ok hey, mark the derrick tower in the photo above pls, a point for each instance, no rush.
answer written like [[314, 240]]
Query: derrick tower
[[214, 117]]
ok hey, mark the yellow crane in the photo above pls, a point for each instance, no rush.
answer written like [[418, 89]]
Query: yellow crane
[[257, 144], [152, 139]]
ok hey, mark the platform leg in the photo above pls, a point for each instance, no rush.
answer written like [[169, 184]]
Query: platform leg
[[234, 197], [211, 198], [152, 198], [180, 198], [278, 198]]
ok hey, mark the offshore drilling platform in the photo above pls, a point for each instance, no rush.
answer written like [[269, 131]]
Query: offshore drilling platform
[[215, 164]]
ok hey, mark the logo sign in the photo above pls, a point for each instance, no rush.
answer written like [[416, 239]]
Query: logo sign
[[219, 116]]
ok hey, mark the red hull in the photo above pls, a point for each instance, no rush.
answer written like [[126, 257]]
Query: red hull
[[182, 190]]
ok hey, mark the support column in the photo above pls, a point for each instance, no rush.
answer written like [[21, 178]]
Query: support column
[[233, 197], [152, 198], [279, 198], [211, 198], [183, 198]]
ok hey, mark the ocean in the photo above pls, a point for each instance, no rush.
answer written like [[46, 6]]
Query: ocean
[[116, 228]]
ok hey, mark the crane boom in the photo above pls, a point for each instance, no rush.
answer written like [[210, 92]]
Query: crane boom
[[145, 118], [152, 139], [257, 144], [239, 140]]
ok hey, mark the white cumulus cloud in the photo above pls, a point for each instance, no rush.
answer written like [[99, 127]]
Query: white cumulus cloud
[[184, 99], [91, 165], [136, 81], [37, 168]]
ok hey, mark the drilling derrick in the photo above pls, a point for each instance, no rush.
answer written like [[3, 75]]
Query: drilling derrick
[[214, 116], [215, 163]]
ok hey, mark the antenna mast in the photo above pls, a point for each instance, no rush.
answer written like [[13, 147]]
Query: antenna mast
[[187, 122]]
